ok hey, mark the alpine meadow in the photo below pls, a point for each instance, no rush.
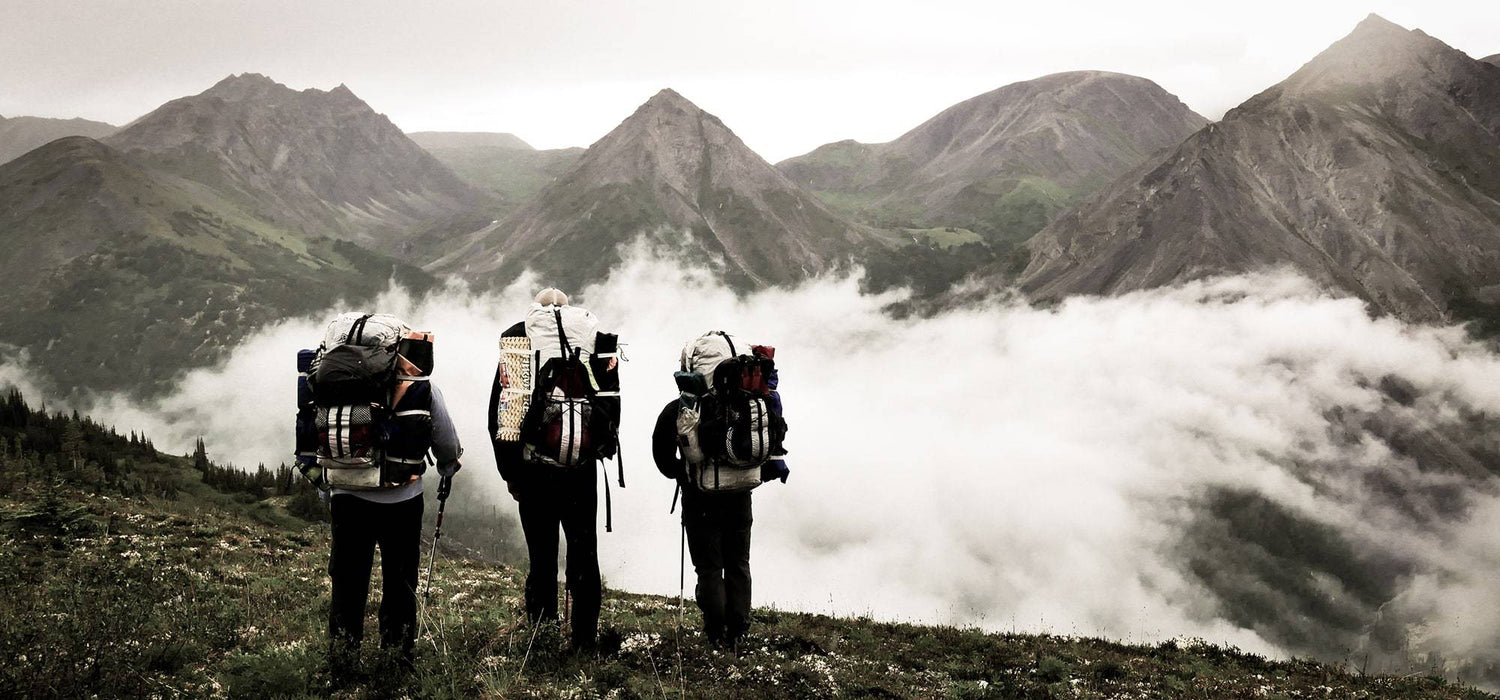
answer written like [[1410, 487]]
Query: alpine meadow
[[1098, 370]]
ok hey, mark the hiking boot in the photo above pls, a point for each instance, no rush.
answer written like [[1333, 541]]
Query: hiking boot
[[584, 647]]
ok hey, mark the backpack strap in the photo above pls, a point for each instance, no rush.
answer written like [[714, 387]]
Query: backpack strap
[[357, 331], [562, 335], [732, 352]]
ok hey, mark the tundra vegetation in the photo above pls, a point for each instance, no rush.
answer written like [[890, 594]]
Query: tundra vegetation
[[127, 571]]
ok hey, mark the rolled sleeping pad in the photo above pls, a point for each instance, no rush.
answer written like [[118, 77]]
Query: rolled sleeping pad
[[307, 433]]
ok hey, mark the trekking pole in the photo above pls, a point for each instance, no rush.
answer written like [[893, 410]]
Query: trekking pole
[[437, 533], [682, 575]]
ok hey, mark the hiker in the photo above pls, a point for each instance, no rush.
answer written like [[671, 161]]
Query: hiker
[[721, 438], [366, 424], [553, 415]]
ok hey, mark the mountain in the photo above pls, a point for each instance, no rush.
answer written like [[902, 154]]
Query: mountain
[[21, 134], [1492, 60], [501, 165], [467, 139], [669, 169], [318, 162], [1371, 169], [118, 277], [1002, 163]]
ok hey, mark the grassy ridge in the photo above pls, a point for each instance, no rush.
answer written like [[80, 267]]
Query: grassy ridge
[[199, 584]]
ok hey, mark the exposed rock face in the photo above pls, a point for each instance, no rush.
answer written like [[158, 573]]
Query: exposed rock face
[[1372, 169], [19, 135], [1003, 162], [669, 168], [117, 278], [314, 161]]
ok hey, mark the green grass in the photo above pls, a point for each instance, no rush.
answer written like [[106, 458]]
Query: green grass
[[943, 237], [135, 577], [158, 598], [513, 175]]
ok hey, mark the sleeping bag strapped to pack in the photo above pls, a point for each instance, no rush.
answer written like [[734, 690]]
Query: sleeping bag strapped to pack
[[572, 414], [373, 418], [728, 420]]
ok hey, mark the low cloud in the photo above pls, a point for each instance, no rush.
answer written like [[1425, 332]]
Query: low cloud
[[1097, 468]]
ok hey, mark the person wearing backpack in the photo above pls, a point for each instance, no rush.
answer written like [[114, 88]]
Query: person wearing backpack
[[721, 438], [368, 418], [553, 415]]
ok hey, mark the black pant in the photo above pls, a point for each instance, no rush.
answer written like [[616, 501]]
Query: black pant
[[718, 536], [358, 525], [550, 497]]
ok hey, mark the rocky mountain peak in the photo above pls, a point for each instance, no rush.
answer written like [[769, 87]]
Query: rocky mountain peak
[[1370, 169], [1376, 53], [669, 166], [234, 88], [670, 99], [322, 161]]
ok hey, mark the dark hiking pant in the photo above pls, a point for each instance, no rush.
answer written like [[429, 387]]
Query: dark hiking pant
[[358, 526], [552, 497], [718, 537]]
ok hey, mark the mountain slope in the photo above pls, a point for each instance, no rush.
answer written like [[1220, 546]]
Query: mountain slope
[[511, 175], [119, 278], [1371, 169], [319, 162], [467, 139], [124, 542], [1492, 60], [669, 168], [19, 135], [1002, 163]]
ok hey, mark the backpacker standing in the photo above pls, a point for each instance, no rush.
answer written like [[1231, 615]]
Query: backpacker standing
[[554, 414], [368, 417], [719, 440]]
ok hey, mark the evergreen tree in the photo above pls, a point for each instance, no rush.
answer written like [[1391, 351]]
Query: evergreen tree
[[200, 456]]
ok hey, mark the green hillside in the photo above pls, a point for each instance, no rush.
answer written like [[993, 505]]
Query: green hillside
[[128, 572], [120, 278], [512, 175]]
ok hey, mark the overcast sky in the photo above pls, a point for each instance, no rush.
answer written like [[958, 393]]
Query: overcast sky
[[787, 76]]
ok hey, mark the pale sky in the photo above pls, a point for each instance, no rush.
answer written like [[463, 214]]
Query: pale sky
[[786, 76]]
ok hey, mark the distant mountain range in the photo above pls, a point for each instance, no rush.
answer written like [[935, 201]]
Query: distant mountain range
[[501, 165], [313, 161], [1372, 169], [1005, 162], [21, 134], [669, 170], [152, 251], [118, 277], [434, 140]]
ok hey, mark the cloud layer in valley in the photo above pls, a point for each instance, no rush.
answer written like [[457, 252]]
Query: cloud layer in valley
[[1087, 469]]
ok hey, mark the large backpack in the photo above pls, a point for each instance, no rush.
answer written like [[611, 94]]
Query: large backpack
[[728, 422], [372, 427], [572, 415]]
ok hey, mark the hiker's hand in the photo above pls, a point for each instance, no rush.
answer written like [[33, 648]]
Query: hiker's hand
[[448, 470], [444, 486]]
